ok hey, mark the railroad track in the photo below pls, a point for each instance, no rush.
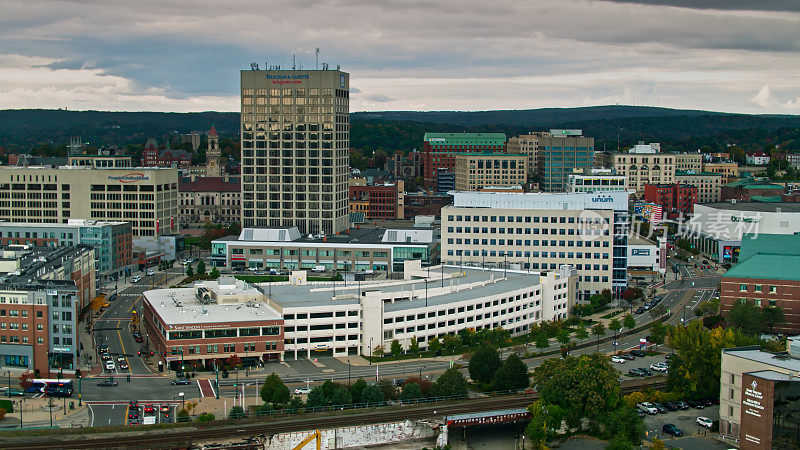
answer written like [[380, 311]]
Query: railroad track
[[189, 436]]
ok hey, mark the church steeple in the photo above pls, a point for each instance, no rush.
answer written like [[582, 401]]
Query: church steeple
[[213, 154]]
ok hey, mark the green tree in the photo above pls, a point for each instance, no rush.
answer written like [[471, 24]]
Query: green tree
[[563, 336], [205, 417], [581, 333], [201, 267], [341, 396], [619, 442], [434, 344], [484, 363], [357, 390], [746, 316], [214, 274], [450, 383], [396, 348], [451, 342], [599, 330], [411, 391], [189, 271], [372, 394], [236, 412], [413, 346], [542, 342], [658, 333], [183, 415], [772, 315], [629, 322], [583, 392], [615, 325], [274, 390], [316, 397], [378, 351], [694, 371], [388, 389], [512, 375], [467, 336]]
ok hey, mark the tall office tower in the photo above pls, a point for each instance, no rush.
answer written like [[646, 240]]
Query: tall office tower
[[295, 145], [558, 154]]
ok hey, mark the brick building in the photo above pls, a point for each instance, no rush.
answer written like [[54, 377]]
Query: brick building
[[673, 198], [439, 150], [767, 274], [380, 201], [153, 157], [426, 204], [212, 321]]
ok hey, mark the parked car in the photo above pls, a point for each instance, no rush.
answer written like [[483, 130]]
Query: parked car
[[181, 382], [659, 367], [185, 262], [302, 391], [639, 353], [640, 310], [661, 408], [318, 269], [648, 407], [645, 371], [641, 412], [627, 356], [253, 269], [107, 383], [705, 422], [151, 272], [672, 429], [618, 359], [672, 406], [136, 279], [682, 405], [695, 404], [636, 372], [133, 404]]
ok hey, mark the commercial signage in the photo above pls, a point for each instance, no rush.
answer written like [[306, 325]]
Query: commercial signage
[[57, 348], [341, 80], [602, 200], [436, 139], [198, 326], [287, 78], [755, 431], [566, 132], [129, 178], [744, 219], [640, 252]]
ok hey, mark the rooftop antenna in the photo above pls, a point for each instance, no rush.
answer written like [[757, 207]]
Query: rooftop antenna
[[338, 67], [316, 59]]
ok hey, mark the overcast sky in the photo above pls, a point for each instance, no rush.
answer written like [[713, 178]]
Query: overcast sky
[[732, 55]]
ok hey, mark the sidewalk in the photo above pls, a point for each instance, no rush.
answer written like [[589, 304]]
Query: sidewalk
[[35, 413]]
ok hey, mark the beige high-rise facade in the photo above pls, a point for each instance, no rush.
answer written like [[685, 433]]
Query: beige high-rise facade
[[709, 184], [526, 144], [687, 162], [145, 197], [645, 168], [727, 169], [295, 144], [476, 171]]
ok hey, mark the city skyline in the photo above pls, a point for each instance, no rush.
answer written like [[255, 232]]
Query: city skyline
[[738, 56]]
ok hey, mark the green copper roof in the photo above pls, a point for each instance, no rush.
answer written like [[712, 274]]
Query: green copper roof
[[767, 266], [465, 138], [679, 173], [777, 244], [763, 199]]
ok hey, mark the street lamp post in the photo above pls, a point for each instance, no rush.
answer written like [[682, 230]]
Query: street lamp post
[[9, 382], [420, 372], [370, 350], [348, 371]]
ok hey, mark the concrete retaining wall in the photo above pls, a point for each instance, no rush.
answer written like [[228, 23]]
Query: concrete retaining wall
[[381, 433]]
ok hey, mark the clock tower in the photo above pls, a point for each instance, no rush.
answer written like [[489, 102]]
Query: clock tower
[[213, 155]]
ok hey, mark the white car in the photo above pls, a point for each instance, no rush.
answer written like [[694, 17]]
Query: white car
[[659, 367], [136, 279], [302, 391], [185, 262], [704, 422], [617, 359], [151, 272], [253, 269], [110, 365], [648, 407]]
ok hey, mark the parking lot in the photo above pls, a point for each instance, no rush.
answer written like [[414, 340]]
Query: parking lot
[[686, 421], [639, 362]]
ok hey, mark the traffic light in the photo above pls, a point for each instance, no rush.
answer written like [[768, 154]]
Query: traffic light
[[152, 353]]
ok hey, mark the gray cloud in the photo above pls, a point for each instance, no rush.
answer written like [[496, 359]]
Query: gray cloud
[[744, 5]]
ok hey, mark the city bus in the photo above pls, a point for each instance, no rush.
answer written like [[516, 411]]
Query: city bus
[[51, 387]]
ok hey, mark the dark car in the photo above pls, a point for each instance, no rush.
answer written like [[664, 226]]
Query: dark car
[[668, 356], [134, 404], [672, 406], [13, 392], [181, 382], [661, 408], [639, 353], [646, 371], [671, 429], [682, 405], [636, 372], [695, 404], [640, 310], [107, 383], [133, 414], [641, 412], [627, 356]]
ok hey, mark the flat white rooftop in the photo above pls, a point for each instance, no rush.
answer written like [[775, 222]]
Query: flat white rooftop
[[191, 312]]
